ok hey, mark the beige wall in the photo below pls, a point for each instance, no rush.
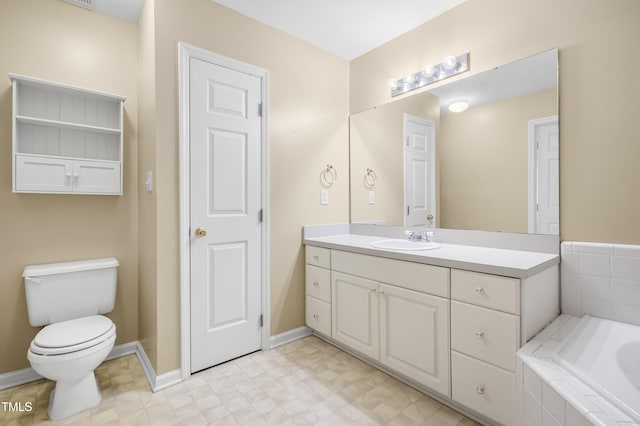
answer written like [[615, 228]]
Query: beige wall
[[483, 155], [598, 92], [147, 223], [376, 142], [59, 42], [308, 120]]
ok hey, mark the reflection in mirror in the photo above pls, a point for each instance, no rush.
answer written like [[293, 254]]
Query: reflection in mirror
[[495, 166]]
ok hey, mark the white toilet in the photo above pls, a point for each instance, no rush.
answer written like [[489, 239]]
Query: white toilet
[[68, 298]]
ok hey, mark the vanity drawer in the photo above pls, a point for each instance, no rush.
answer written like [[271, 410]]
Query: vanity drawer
[[318, 283], [489, 335], [318, 315], [489, 390], [318, 256], [410, 275], [491, 291]]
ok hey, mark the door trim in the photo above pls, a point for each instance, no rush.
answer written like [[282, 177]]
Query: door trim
[[185, 53], [532, 161]]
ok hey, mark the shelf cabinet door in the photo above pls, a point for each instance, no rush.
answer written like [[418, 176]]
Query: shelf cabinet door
[[354, 312], [96, 177], [43, 174], [414, 336]]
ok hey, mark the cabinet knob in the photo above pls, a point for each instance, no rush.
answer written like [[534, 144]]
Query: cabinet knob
[[479, 334], [480, 389], [315, 283], [315, 258], [479, 290], [315, 316]]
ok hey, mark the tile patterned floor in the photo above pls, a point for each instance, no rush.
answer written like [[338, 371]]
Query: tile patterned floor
[[307, 382]]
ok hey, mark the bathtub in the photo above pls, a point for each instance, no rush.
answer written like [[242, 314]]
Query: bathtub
[[605, 355], [580, 371]]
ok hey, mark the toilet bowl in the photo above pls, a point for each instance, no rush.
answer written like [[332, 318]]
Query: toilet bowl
[[65, 297], [67, 353]]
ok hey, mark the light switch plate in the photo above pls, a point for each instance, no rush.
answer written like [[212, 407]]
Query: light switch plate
[[372, 197], [324, 197]]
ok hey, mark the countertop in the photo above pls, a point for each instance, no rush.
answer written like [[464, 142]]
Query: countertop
[[511, 263]]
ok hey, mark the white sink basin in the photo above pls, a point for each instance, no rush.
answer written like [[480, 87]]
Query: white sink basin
[[391, 244]]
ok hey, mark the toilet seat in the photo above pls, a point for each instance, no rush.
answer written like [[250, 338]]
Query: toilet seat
[[73, 335]]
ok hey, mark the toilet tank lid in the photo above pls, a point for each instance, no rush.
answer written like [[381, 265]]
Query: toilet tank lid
[[66, 267]]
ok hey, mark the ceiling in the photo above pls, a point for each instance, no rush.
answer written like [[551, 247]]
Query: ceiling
[[347, 28]]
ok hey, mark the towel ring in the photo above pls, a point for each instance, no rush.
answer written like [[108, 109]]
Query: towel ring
[[328, 176], [370, 179]]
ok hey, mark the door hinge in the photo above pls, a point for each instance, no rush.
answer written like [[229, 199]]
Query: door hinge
[[408, 139], [407, 210], [260, 216], [260, 109], [261, 320]]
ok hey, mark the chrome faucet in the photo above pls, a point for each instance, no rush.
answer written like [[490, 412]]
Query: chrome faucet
[[421, 236]]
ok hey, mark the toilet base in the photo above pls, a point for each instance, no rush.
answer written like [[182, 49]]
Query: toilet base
[[71, 397]]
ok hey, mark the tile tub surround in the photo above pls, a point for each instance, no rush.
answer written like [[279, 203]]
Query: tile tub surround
[[602, 280], [547, 394]]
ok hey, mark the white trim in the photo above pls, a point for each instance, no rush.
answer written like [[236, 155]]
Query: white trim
[[289, 336], [18, 377], [157, 382], [27, 375], [532, 165], [185, 53]]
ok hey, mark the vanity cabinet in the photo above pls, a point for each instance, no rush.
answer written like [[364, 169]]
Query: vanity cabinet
[[66, 140], [485, 336], [393, 312], [447, 330]]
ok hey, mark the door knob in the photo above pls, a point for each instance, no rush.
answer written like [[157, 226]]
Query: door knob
[[430, 217], [201, 232]]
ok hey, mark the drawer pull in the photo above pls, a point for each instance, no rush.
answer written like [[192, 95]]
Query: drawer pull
[[315, 283], [479, 334], [480, 389], [315, 258], [315, 316], [479, 290]]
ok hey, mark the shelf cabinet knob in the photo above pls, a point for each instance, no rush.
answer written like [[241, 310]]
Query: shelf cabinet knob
[[479, 290], [480, 389], [479, 334]]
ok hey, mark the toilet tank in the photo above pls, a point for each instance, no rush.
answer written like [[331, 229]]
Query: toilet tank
[[68, 290]]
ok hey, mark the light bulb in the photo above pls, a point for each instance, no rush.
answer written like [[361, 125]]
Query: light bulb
[[429, 71], [410, 78], [393, 83], [449, 63]]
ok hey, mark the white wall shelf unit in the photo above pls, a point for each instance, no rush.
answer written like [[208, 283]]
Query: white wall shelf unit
[[66, 139]]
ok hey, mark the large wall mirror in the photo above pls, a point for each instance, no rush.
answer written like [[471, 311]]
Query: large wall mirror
[[491, 167]]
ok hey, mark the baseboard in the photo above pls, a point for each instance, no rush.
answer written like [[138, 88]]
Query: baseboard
[[157, 382], [289, 336]]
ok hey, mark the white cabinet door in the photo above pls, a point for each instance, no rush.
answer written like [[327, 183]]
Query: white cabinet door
[[96, 177], [355, 313], [38, 174], [414, 336]]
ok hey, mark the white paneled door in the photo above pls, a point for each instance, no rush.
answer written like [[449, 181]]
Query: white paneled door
[[419, 170], [226, 216]]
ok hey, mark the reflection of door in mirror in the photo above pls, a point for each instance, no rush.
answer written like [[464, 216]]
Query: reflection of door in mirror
[[419, 171], [544, 179]]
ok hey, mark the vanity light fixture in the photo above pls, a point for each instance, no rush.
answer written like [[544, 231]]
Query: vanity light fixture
[[458, 106], [450, 66]]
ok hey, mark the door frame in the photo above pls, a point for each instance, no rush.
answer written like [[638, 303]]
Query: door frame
[[185, 53], [532, 161], [432, 165]]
